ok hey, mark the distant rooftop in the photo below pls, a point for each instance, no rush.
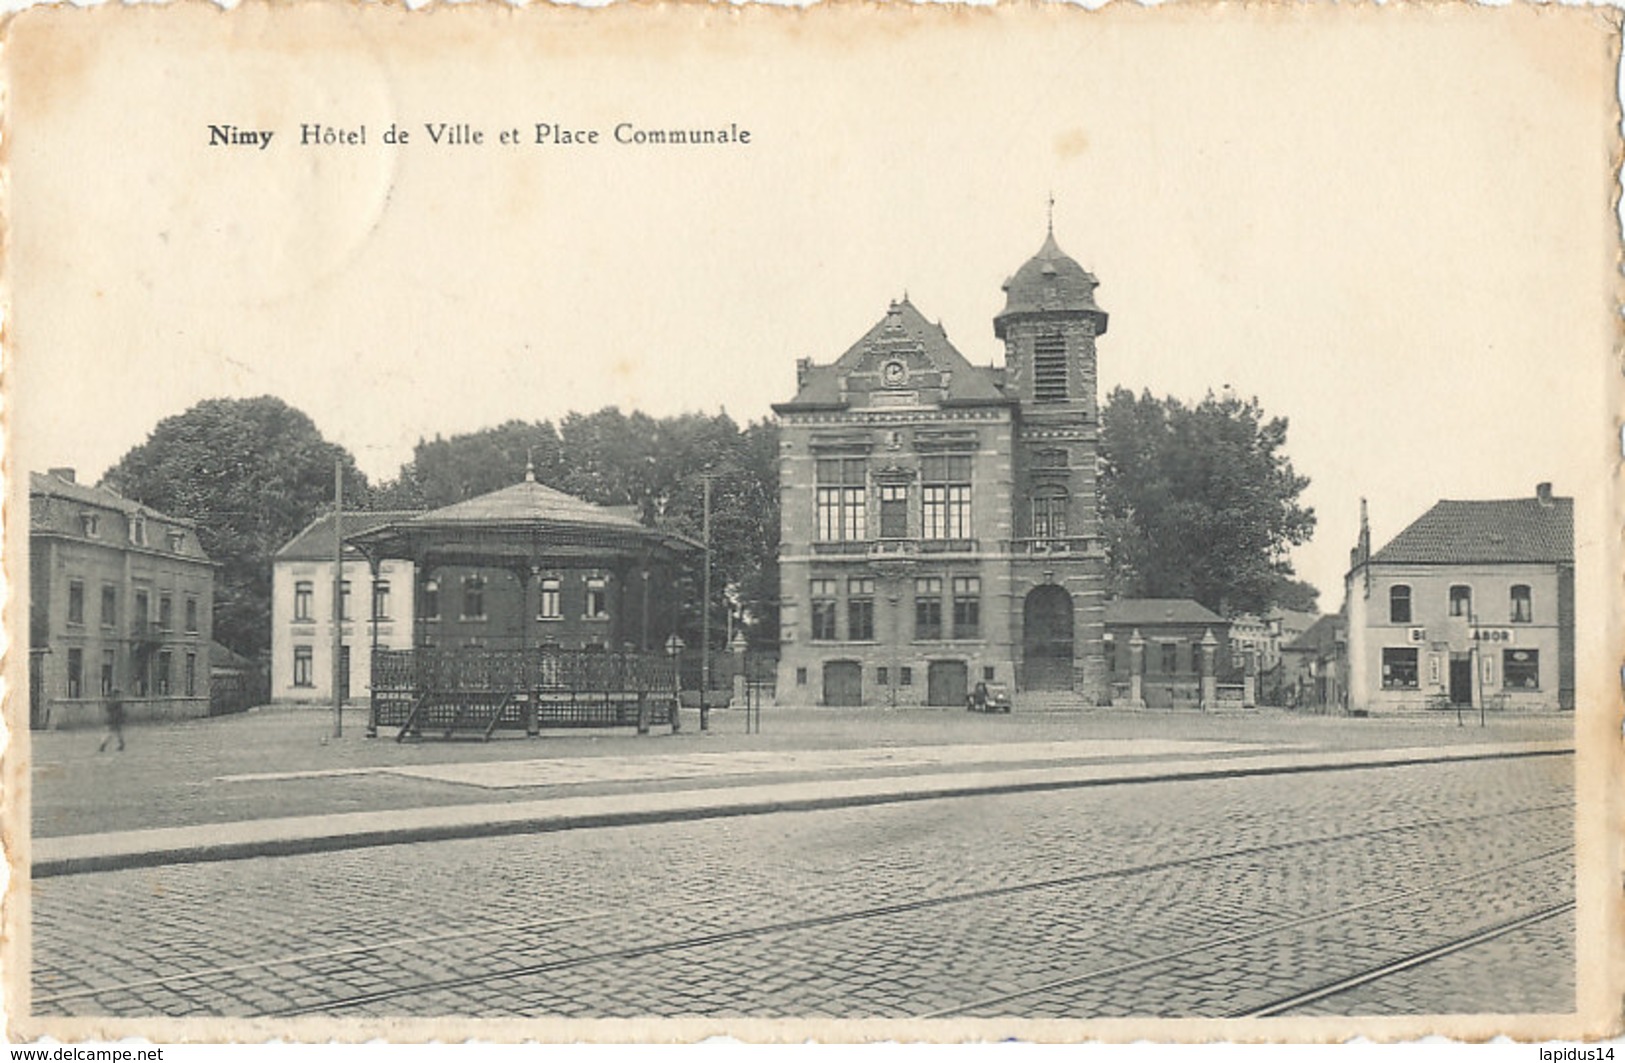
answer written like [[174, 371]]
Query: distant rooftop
[[1124, 611]]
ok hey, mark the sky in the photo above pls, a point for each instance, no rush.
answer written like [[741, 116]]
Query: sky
[[1391, 227]]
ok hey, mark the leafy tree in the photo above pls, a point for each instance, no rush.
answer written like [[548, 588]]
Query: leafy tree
[[1297, 595], [444, 471], [1199, 501], [251, 473]]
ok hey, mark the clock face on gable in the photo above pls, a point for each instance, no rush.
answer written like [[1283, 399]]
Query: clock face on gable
[[894, 374]]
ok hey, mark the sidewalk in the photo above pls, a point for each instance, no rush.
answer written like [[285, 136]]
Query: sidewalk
[[382, 793]]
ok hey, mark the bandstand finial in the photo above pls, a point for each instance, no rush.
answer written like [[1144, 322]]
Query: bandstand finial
[[530, 465]]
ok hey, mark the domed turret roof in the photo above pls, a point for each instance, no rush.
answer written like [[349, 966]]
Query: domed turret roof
[[1051, 282]]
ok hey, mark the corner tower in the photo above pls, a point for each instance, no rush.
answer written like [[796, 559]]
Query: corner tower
[[1049, 325]]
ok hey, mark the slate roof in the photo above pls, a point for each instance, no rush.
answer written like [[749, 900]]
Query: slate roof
[[1051, 281], [40, 483], [1322, 634], [1512, 530], [315, 542], [968, 384], [1125, 611], [529, 501]]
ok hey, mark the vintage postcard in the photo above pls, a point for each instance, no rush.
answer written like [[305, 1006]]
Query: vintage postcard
[[853, 522]]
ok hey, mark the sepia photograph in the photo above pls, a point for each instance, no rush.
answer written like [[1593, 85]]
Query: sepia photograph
[[851, 523]]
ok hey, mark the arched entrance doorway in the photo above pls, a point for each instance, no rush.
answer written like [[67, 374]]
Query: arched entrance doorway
[[1046, 639]]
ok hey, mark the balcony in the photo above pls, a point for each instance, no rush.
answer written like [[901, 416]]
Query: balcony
[[1065, 546]]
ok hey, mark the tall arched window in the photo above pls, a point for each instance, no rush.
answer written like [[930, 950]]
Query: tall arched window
[[1523, 604], [1399, 604], [1049, 513], [1461, 600]]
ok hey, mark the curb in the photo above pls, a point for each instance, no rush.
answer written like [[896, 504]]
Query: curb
[[551, 815]]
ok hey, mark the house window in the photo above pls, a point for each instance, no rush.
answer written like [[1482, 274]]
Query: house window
[[191, 675], [166, 661], [139, 667], [1520, 669], [550, 607], [1051, 459], [1049, 368], [303, 594], [76, 672], [1399, 668], [142, 612], [988, 672], [90, 525], [380, 599], [76, 602], [905, 676], [344, 599], [801, 677], [1461, 601], [894, 511], [597, 598], [166, 613], [928, 607], [1049, 513], [431, 599], [138, 531], [109, 605], [108, 662], [840, 499], [967, 607], [1170, 658], [1399, 604], [860, 610], [191, 616], [1523, 605], [177, 539], [302, 670], [823, 610], [883, 676], [945, 496], [473, 598]]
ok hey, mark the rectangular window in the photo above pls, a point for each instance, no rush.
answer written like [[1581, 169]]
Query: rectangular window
[[191, 616], [801, 677], [883, 676], [344, 599], [967, 607], [894, 511], [988, 673], [76, 602], [138, 531], [945, 496], [1523, 605], [822, 592], [841, 503], [380, 599], [90, 524], [1520, 669], [166, 613], [550, 607], [431, 599], [1399, 668], [109, 605], [303, 673], [1049, 514], [191, 675], [860, 610], [597, 598], [1399, 604], [473, 597], [928, 607], [1049, 368], [1461, 601], [143, 612], [176, 540], [108, 663], [303, 597], [76, 672], [166, 661], [1170, 658], [905, 676]]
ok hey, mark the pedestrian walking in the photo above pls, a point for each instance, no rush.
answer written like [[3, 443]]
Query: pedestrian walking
[[115, 721]]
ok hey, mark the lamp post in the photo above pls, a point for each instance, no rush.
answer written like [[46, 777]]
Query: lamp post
[[705, 611], [338, 598], [674, 650]]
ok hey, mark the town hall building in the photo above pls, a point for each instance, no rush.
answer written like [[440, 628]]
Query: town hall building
[[939, 519]]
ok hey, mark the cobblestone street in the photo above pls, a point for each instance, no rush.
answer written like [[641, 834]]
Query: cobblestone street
[[1179, 898]]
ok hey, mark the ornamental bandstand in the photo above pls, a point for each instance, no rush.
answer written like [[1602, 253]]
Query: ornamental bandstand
[[565, 611]]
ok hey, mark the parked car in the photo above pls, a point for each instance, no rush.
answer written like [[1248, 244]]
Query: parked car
[[989, 697]]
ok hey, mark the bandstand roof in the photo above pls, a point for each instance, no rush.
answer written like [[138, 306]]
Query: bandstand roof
[[527, 522]]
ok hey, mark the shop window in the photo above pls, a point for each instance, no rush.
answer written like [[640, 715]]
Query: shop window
[[1399, 604], [1523, 605], [1520, 669], [1399, 668]]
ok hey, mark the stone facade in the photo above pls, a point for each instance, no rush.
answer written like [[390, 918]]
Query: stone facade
[[939, 519], [121, 597]]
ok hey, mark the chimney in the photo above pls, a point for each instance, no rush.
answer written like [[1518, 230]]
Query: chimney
[[803, 367], [1543, 493], [66, 475]]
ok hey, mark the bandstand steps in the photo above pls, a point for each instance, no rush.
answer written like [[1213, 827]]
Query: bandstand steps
[[1050, 701]]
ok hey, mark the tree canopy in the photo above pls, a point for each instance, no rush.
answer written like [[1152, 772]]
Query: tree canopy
[[1200, 501], [251, 473]]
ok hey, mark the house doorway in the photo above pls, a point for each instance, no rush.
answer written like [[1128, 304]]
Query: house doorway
[[1046, 633], [843, 683], [946, 684], [1461, 679]]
